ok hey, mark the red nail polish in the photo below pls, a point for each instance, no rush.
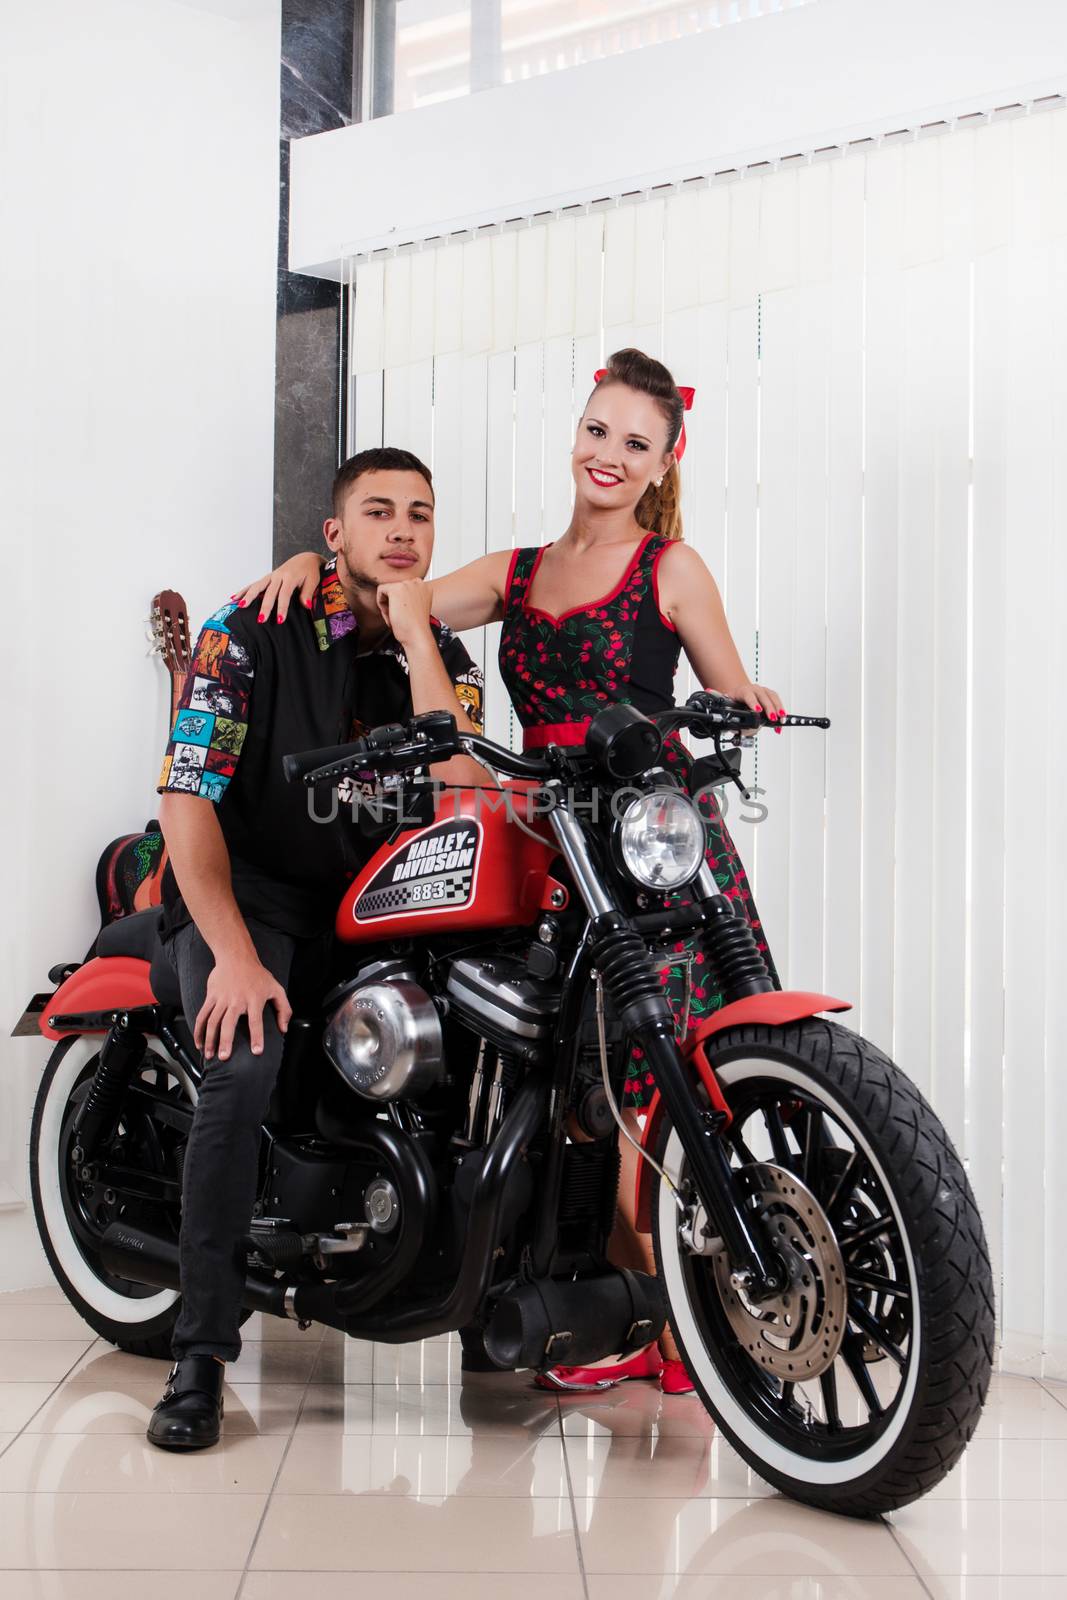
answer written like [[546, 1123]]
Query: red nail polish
[[308, 604], [261, 616], [242, 602], [759, 708], [281, 616]]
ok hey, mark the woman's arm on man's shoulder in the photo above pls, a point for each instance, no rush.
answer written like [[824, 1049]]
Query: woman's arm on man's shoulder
[[299, 575], [468, 598], [473, 596]]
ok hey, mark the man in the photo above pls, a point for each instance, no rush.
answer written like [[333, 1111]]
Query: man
[[256, 878]]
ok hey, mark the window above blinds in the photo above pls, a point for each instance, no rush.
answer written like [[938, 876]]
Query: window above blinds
[[426, 51]]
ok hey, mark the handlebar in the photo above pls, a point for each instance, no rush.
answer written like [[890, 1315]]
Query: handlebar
[[343, 761], [708, 709], [510, 762], [315, 764], [433, 737]]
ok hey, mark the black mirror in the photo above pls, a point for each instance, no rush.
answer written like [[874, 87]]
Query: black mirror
[[722, 766], [623, 741]]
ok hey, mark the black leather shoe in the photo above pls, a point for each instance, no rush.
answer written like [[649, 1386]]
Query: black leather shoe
[[189, 1416]]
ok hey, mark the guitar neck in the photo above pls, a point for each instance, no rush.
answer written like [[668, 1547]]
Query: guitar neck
[[178, 681]]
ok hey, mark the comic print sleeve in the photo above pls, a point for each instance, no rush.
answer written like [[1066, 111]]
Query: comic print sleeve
[[212, 717], [465, 674]]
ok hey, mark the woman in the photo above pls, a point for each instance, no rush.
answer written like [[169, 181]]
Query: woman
[[601, 614]]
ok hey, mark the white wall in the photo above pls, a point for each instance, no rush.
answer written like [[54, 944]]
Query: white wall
[[766, 88], [138, 188]]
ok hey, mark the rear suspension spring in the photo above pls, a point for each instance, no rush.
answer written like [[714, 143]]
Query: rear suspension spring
[[122, 1052]]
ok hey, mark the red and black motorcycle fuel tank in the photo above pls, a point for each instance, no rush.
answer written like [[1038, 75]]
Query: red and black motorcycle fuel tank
[[473, 867]]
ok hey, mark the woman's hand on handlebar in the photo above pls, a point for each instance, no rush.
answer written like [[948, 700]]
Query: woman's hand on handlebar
[[759, 698], [298, 576]]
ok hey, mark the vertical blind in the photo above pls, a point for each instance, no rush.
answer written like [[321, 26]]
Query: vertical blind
[[877, 477]]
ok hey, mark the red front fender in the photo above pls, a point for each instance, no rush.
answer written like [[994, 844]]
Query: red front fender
[[106, 983], [776, 1007]]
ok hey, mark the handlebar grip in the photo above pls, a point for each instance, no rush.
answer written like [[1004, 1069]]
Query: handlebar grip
[[297, 766]]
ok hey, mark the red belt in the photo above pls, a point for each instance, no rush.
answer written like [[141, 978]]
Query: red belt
[[569, 733]]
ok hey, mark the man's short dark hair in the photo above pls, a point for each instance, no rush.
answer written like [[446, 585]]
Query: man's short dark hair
[[383, 458]]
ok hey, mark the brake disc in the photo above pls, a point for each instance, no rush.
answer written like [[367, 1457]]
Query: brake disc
[[797, 1334]]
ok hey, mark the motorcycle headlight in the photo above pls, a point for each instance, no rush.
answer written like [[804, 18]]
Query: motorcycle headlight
[[661, 839]]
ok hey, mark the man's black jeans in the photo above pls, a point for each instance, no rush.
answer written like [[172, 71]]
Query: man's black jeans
[[222, 1155]]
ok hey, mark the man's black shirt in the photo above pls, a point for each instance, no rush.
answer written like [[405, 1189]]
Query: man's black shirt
[[255, 693]]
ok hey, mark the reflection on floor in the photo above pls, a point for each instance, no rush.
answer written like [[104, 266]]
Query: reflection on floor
[[342, 1458]]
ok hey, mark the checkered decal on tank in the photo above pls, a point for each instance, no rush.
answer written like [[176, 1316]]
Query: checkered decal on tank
[[455, 890], [434, 871]]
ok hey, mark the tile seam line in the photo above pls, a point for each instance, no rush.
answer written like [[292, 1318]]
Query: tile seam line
[[574, 1505], [384, 1494], [1062, 1401], [270, 1492], [49, 1396], [484, 1499], [318, 1572], [918, 1575]]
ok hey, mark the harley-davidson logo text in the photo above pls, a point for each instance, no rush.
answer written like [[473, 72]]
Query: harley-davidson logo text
[[443, 854]]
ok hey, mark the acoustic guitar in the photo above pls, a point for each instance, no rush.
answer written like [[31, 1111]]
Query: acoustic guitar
[[130, 871]]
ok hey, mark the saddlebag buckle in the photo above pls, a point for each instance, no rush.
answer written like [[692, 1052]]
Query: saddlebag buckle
[[552, 1355], [639, 1336]]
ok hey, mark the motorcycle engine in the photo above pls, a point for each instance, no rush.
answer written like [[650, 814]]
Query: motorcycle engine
[[497, 997], [384, 1037]]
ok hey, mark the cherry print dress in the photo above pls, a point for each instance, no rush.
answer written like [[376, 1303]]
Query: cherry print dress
[[560, 671]]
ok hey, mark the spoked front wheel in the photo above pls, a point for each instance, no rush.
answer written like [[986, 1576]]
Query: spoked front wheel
[[857, 1387]]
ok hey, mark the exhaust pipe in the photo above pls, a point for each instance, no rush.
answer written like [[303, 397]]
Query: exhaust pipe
[[576, 1321], [143, 1257]]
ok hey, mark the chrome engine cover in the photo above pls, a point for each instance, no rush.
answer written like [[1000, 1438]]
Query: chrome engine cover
[[385, 1040]]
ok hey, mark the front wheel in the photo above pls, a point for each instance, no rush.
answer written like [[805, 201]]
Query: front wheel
[[857, 1388]]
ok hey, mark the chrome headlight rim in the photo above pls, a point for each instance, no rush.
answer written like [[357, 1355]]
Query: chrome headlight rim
[[631, 820]]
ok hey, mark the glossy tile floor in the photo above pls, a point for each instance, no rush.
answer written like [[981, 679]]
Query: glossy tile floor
[[343, 1459]]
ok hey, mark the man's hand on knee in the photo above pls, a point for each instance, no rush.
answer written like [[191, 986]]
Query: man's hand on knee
[[238, 987]]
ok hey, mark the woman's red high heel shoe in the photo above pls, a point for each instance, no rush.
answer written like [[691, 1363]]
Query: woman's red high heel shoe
[[674, 1379], [582, 1380]]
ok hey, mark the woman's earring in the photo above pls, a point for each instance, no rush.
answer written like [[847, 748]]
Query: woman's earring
[[659, 483]]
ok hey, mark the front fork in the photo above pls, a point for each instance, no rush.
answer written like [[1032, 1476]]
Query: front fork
[[628, 974]]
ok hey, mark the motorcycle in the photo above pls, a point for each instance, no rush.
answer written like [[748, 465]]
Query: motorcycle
[[441, 1151]]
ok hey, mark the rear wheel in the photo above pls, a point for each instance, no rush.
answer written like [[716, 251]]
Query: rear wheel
[[857, 1388], [72, 1209]]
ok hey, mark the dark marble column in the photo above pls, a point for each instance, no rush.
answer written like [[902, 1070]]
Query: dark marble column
[[321, 42]]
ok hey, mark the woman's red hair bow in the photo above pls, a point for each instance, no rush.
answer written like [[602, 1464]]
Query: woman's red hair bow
[[687, 403]]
